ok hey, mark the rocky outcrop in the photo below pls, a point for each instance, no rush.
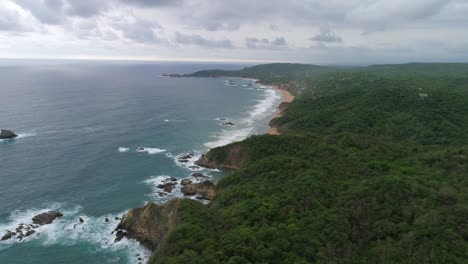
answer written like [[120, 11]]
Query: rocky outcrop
[[7, 134], [185, 182], [150, 224], [25, 230], [205, 190], [46, 218], [229, 157]]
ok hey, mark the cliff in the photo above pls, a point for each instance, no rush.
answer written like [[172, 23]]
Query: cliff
[[152, 223], [229, 157]]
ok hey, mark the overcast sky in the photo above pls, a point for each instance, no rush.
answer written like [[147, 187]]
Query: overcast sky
[[312, 31]]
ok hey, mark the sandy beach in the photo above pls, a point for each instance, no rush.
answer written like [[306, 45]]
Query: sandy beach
[[287, 97]]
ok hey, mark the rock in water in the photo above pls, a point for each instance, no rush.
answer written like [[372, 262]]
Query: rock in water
[[6, 236], [46, 218], [152, 223], [205, 189], [30, 232], [7, 134], [185, 182]]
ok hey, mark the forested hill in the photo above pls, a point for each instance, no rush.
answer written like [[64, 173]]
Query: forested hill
[[371, 167]]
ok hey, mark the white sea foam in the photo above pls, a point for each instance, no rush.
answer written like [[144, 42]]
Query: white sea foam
[[265, 106], [189, 163], [151, 151], [69, 231], [228, 136], [123, 149], [246, 127], [154, 181], [20, 136]]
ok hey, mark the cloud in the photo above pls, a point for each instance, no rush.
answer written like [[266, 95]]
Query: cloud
[[153, 3], [327, 35], [380, 15], [274, 27], [46, 11], [138, 30], [201, 41], [85, 8], [263, 43]]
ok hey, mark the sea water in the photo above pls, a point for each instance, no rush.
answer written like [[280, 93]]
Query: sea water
[[96, 138]]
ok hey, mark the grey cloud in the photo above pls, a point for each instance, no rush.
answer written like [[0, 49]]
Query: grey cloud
[[327, 35], [274, 27], [86, 8], [380, 15], [263, 43], [201, 41], [10, 20], [153, 3], [139, 30], [46, 11], [55, 12]]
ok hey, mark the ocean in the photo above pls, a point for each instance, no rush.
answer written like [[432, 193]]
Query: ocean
[[96, 138]]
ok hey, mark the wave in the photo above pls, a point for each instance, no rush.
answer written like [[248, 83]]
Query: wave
[[151, 151], [244, 128], [20, 136], [123, 149], [68, 230], [158, 194]]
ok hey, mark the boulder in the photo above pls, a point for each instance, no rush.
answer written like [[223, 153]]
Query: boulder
[[185, 182], [168, 188], [204, 189], [119, 235], [186, 156], [6, 236], [30, 232], [81, 220], [199, 175], [167, 184], [228, 124], [7, 134], [152, 223], [106, 220], [46, 218]]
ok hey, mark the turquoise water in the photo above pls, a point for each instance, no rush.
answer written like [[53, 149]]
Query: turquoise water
[[80, 124]]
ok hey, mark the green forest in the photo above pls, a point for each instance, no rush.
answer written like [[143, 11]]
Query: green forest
[[370, 167]]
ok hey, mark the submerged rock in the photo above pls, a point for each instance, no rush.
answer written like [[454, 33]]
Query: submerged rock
[[7, 134], [229, 124], [152, 223], [46, 218]]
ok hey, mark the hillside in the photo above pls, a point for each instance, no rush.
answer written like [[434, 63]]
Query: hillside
[[370, 168]]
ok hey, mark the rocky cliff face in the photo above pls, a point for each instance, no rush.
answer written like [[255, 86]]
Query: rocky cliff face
[[151, 224], [229, 157]]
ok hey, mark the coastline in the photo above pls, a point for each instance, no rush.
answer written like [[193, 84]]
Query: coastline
[[287, 97]]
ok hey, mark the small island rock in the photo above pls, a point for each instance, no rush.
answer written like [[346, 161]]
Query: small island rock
[[46, 218], [7, 134]]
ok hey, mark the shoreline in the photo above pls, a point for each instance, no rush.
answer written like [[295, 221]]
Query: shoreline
[[286, 97]]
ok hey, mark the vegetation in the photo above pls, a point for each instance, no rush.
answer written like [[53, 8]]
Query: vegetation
[[370, 168]]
